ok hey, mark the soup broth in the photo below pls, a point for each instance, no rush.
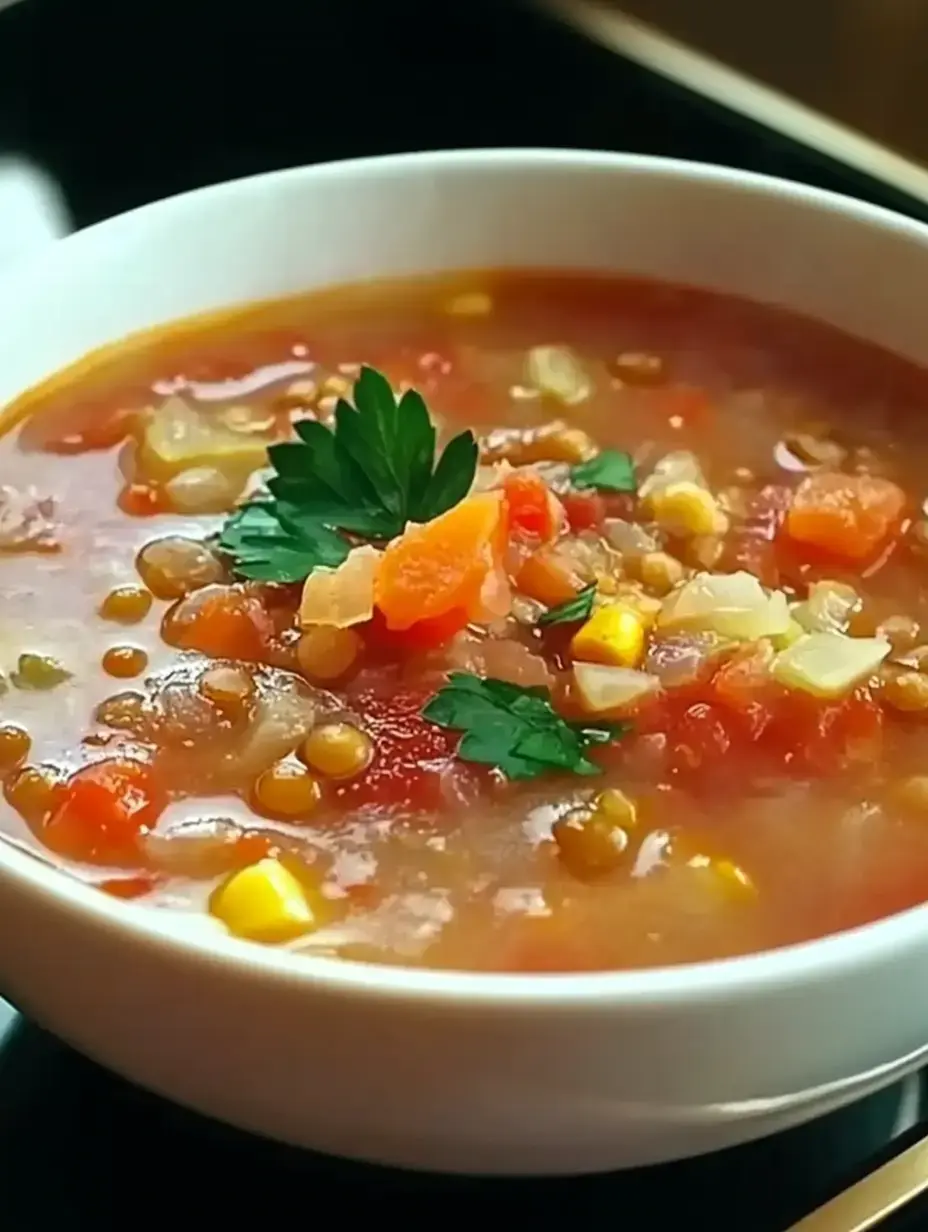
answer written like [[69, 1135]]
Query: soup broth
[[627, 667]]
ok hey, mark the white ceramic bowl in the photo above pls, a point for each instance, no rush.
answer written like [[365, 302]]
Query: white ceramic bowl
[[484, 1073]]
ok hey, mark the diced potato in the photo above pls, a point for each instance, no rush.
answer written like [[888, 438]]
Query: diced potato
[[264, 902], [180, 437], [829, 664], [733, 605], [556, 372], [603, 689], [829, 608], [613, 635], [793, 632], [687, 510]]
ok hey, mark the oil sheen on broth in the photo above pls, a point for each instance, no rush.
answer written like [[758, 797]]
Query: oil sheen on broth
[[692, 548]]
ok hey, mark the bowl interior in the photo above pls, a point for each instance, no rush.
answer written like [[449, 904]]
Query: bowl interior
[[852, 265]]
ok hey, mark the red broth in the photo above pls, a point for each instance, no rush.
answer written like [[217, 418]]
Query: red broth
[[197, 741]]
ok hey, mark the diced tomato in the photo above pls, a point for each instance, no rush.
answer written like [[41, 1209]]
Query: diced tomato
[[752, 545], [442, 565], [103, 811], [411, 759], [531, 508], [849, 516], [423, 635], [823, 738], [585, 510], [229, 623], [742, 685], [701, 738]]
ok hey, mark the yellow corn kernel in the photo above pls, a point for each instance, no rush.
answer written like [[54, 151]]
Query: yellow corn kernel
[[686, 509], [614, 635], [263, 902]]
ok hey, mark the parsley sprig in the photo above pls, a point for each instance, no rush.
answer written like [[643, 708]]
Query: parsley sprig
[[375, 470], [515, 729], [609, 471], [571, 610]]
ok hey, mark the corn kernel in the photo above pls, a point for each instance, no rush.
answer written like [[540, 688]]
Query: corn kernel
[[614, 635], [686, 509], [263, 902]]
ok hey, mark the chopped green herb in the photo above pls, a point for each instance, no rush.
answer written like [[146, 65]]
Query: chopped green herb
[[515, 729], [269, 541], [575, 609], [610, 471], [369, 476]]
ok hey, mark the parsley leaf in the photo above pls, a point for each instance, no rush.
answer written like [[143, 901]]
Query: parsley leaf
[[610, 471], [369, 475], [575, 609], [272, 542], [515, 729]]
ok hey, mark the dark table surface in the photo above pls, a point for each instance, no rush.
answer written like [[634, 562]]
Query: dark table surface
[[126, 102]]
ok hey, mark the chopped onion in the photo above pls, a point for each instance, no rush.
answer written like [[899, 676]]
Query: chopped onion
[[829, 664], [828, 609], [344, 596], [681, 466], [629, 538], [733, 605], [556, 371], [611, 688]]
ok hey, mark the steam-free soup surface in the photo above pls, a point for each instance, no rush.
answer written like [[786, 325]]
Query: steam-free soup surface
[[631, 676]]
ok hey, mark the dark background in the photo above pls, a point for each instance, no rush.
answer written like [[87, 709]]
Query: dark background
[[125, 101]]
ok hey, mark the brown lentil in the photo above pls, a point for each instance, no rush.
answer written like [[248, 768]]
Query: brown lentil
[[337, 750], [287, 791], [126, 605]]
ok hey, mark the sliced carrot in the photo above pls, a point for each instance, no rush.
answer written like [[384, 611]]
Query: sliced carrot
[[547, 578], [442, 565], [104, 810], [848, 515], [532, 509]]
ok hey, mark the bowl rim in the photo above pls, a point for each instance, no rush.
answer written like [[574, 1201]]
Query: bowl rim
[[632, 991]]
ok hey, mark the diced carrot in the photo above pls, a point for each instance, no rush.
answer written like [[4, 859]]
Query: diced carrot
[[442, 565], [584, 510], [546, 578], [103, 811], [852, 516], [229, 624], [531, 507]]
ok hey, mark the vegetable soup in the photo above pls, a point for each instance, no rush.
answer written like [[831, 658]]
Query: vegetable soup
[[507, 622]]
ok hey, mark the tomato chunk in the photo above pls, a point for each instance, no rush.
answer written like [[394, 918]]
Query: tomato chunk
[[531, 507], [412, 758], [584, 510], [103, 811], [852, 516]]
